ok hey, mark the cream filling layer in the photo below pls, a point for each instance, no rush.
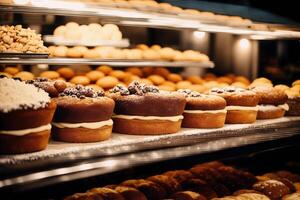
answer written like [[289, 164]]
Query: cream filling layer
[[272, 107], [26, 131], [169, 118], [89, 125], [206, 111], [254, 108]]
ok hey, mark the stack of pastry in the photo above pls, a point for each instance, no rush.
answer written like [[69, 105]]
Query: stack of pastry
[[15, 39]]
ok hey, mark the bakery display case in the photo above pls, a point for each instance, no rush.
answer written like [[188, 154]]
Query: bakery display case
[[129, 91]]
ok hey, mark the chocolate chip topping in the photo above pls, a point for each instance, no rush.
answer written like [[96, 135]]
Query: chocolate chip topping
[[189, 93], [134, 88], [81, 92]]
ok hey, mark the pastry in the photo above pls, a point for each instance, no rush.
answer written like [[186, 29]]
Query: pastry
[[296, 82], [129, 193], [245, 191], [195, 79], [53, 88], [199, 186], [207, 174], [82, 115], [60, 51], [174, 78], [169, 184], [272, 103], [50, 74], [104, 69], [143, 109], [203, 111], [241, 104], [261, 82], [242, 79], [107, 82], [161, 72], [84, 196], [11, 70], [106, 193], [150, 189], [293, 102], [119, 74], [150, 54], [156, 79], [135, 71], [25, 116], [166, 87], [82, 80], [273, 189], [66, 72], [294, 196], [188, 195], [180, 175], [183, 84], [94, 75], [24, 76], [252, 196], [4, 74]]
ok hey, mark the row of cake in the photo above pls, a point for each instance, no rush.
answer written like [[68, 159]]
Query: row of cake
[[86, 115], [212, 180]]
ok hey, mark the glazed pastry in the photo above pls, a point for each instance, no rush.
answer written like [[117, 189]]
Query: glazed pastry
[[25, 117], [150, 189], [188, 195], [273, 189], [272, 103], [82, 115], [142, 109], [53, 88], [241, 104], [203, 111]]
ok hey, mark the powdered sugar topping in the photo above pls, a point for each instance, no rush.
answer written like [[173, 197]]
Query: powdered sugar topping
[[17, 95]]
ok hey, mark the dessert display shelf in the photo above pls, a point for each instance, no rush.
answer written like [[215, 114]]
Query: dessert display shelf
[[111, 62], [131, 17], [68, 42], [123, 151]]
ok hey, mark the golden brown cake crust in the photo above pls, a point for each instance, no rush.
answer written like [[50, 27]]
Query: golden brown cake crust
[[270, 95], [145, 127], [25, 119], [203, 120], [237, 96], [270, 114], [81, 135], [241, 116], [75, 110], [168, 183], [188, 195], [10, 144]]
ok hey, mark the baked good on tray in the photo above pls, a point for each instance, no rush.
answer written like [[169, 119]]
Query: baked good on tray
[[129, 193], [25, 117], [203, 111], [293, 100], [145, 110], [187, 195], [272, 102], [82, 115], [272, 188], [241, 104]]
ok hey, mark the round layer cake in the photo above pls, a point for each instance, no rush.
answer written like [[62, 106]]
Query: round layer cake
[[82, 115], [272, 102], [144, 110], [241, 104], [25, 117], [203, 111]]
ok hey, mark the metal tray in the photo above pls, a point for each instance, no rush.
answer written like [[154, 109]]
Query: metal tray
[[23, 55]]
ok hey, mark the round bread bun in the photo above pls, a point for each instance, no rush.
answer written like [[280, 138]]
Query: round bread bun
[[73, 52], [272, 188], [282, 87], [66, 72], [60, 51], [296, 82], [94, 75], [155, 47], [82, 80], [270, 95], [169, 184], [24, 76], [161, 71], [166, 87], [187, 195], [26, 119], [129, 193], [261, 82], [156, 79], [59, 31], [150, 54], [195, 79], [147, 71], [174, 78], [239, 85], [11, 70], [197, 88], [142, 46], [50, 74], [180, 175], [295, 88], [211, 84], [92, 53], [106, 193], [183, 84], [167, 53], [121, 75], [136, 71], [107, 82], [242, 79], [224, 79], [104, 69]]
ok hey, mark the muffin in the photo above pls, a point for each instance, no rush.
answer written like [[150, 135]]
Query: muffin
[[241, 104], [275, 190], [203, 111], [150, 189], [188, 195], [143, 109], [25, 117], [82, 115], [272, 102]]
